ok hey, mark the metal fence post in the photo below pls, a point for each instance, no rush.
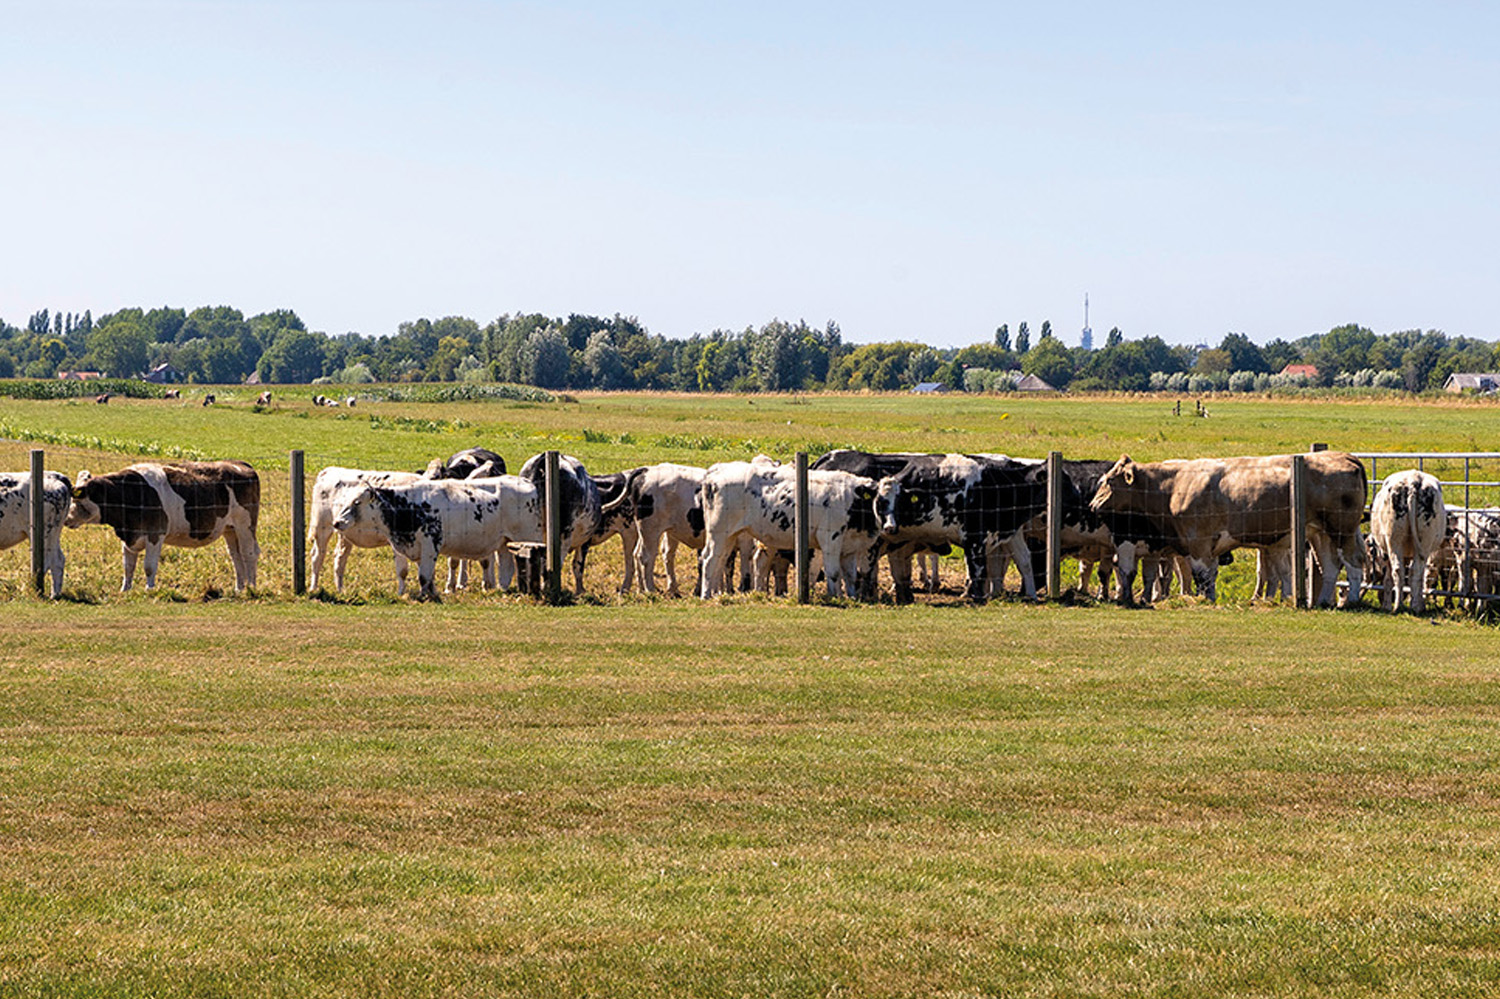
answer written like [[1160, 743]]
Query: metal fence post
[[803, 551], [38, 521], [1300, 594], [299, 524], [552, 487], [1054, 524]]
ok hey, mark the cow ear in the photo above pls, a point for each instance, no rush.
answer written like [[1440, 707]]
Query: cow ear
[[1130, 474], [864, 493]]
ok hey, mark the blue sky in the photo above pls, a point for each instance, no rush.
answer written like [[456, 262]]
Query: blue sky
[[912, 171]]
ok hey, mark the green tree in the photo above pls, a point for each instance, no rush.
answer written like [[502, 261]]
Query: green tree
[[1002, 337], [1050, 361], [119, 349], [1023, 339], [294, 357]]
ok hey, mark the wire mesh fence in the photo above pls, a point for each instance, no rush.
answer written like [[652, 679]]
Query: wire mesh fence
[[960, 526]]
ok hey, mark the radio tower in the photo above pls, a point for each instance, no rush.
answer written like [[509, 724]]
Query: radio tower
[[1087, 340]]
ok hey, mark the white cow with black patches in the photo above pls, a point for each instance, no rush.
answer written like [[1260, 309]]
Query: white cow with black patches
[[331, 490], [580, 505], [15, 517], [457, 518], [758, 499], [1407, 522]]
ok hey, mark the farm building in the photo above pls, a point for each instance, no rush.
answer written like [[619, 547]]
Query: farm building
[[1473, 381], [1031, 383], [928, 388]]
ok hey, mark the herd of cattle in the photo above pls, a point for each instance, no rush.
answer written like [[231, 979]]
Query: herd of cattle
[[1160, 521]]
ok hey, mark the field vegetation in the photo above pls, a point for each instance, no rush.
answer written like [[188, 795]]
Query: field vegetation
[[203, 795]]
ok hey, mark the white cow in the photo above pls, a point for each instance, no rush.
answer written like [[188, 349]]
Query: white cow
[[757, 498], [458, 518], [15, 517], [1407, 521]]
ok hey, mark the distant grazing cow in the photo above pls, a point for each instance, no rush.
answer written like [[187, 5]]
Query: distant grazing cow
[[320, 399], [101, 399], [1212, 506], [350, 401], [208, 400], [189, 504], [15, 517], [580, 506], [423, 519], [757, 498], [264, 399], [1407, 521], [172, 394]]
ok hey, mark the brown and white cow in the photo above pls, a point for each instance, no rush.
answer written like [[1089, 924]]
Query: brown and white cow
[[15, 517], [1407, 521], [1215, 505], [189, 504]]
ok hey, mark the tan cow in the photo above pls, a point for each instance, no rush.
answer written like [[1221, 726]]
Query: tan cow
[[1214, 505]]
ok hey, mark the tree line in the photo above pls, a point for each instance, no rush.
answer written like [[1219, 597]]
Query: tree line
[[219, 345]]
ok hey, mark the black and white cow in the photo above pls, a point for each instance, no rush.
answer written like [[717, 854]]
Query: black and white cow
[[879, 466], [616, 517], [15, 517], [464, 464], [580, 506], [189, 504], [758, 499], [668, 508], [975, 503], [459, 518], [331, 488]]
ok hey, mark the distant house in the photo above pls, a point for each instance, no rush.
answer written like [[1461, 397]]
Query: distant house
[[1472, 381], [1309, 370], [1031, 383], [928, 388], [162, 374], [78, 376]]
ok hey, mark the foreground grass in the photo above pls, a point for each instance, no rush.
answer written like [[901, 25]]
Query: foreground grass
[[264, 798]]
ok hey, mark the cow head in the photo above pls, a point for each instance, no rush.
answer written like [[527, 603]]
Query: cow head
[[1120, 479], [863, 517], [85, 508], [360, 504], [436, 469], [897, 505]]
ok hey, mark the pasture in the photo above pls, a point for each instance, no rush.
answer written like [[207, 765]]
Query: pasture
[[632, 797]]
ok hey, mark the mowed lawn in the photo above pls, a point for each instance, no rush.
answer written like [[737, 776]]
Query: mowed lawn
[[629, 797]]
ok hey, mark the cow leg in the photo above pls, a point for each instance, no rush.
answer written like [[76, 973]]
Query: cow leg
[[580, 556], [153, 561], [426, 573], [458, 575], [746, 562], [317, 540], [129, 556], [403, 565], [505, 567], [646, 544], [236, 558], [340, 560], [1021, 552], [711, 562], [976, 558], [628, 539], [250, 552], [1125, 568], [1418, 574], [1206, 577]]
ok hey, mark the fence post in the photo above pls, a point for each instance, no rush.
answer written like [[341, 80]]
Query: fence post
[[1300, 594], [1054, 524], [1318, 446], [552, 496], [38, 521], [299, 524], [803, 550]]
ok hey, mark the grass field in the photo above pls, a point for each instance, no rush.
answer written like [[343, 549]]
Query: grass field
[[282, 797]]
